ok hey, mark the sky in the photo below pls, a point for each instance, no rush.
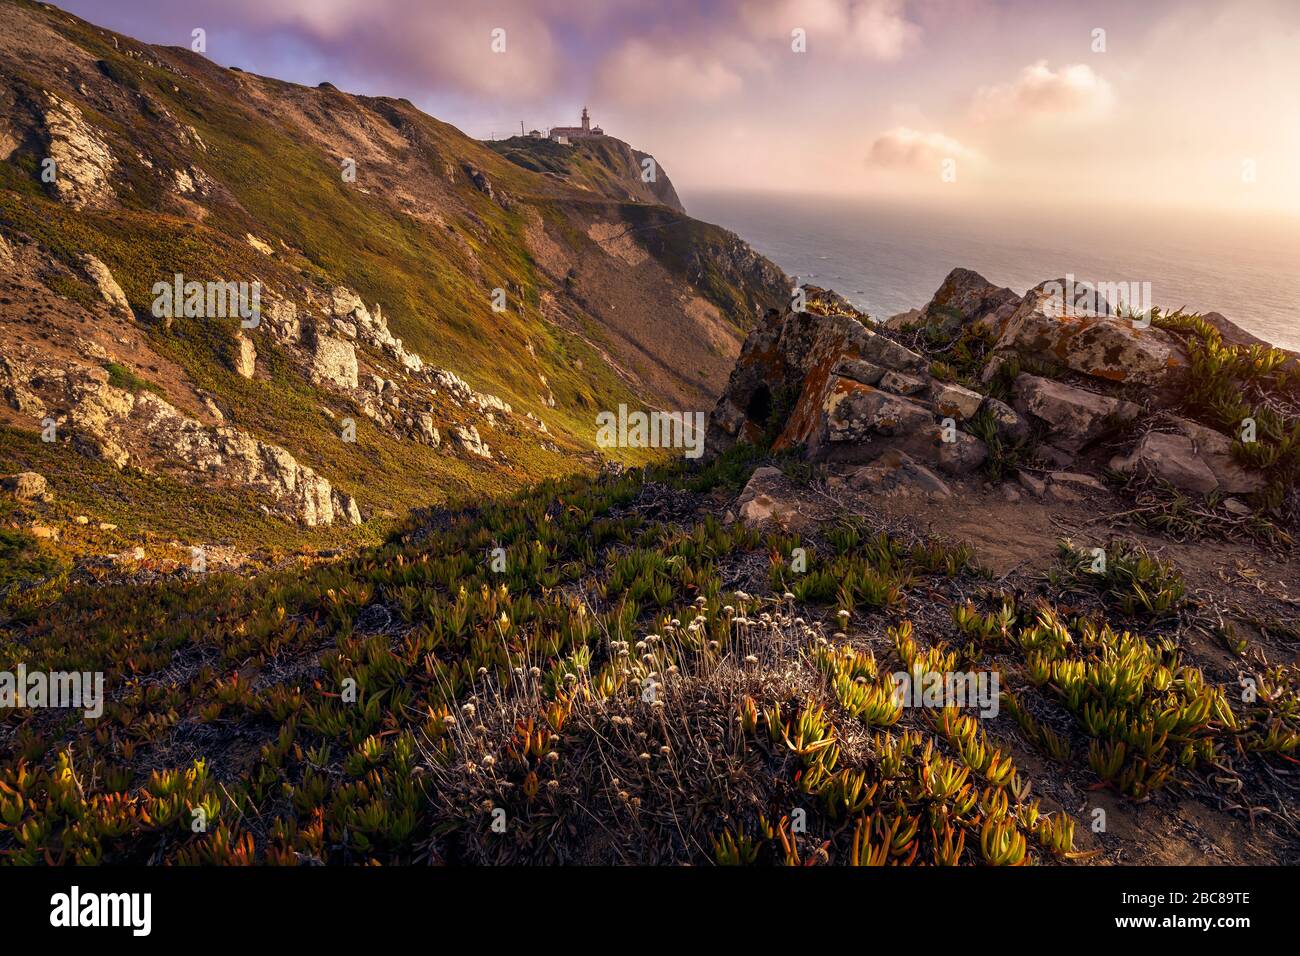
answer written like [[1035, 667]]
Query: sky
[[1174, 105]]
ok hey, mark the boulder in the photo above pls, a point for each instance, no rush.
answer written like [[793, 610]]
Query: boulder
[[954, 401], [897, 473], [468, 438], [27, 486], [1098, 346], [859, 370], [962, 455], [1073, 416], [1011, 428], [1074, 296], [902, 384], [108, 288], [1215, 449], [1171, 457], [856, 412], [333, 361], [281, 319], [966, 297], [426, 430], [766, 500]]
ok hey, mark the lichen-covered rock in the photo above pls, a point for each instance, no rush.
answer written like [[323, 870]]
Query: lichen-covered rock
[[1073, 416], [796, 357], [1113, 349], [853, 412], [1077, 296], [964, 298], [954, 401]]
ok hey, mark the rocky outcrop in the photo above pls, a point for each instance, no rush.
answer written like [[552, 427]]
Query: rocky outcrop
[[146, 432], [108, 288], [965, 298], [333, 361], [822, 381], [244, 358], [82, 161], [1171, 457], [27, 486], [468, 438]]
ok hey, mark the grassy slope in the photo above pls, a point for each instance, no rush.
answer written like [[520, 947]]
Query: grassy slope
[[235, 698], [434, 286]]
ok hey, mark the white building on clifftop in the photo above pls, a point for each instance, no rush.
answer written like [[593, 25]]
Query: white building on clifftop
[[564, 134]]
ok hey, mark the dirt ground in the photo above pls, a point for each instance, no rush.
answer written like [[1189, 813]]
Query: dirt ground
[[1235, 581]]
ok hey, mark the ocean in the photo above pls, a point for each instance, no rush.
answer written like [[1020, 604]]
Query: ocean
[[887, 258]]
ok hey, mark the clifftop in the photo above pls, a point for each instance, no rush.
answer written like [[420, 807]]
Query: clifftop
[[603, 165]]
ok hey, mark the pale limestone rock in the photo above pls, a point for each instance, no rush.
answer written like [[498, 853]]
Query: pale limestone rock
[[333, 361], [82, 160], [261, 245], [245, 357], [108, 288]]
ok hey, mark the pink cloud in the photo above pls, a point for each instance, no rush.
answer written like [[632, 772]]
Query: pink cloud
[[867, 29], [904, 147], [1075, 89]]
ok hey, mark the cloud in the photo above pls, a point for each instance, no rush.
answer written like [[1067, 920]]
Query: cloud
[[644, 73], [396, 45], [1075, 89], [904, 147], [867, 29], [713, 54]]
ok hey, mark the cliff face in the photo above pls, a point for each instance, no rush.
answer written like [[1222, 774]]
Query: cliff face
[[434, 317], [603, 165]]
